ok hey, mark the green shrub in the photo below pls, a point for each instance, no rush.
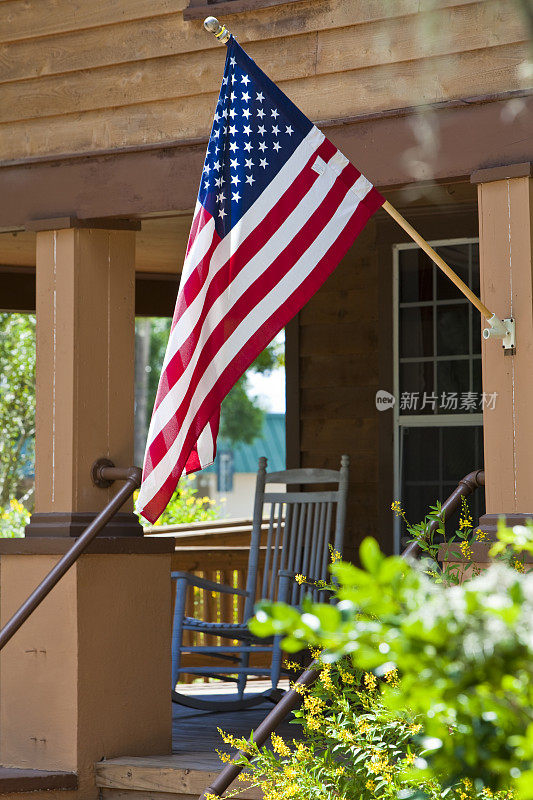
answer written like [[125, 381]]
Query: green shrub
[[464, 654], [353, 747], [13, 518]]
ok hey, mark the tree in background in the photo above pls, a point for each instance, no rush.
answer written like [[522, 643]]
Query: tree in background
[[242, 416], [17, 402]]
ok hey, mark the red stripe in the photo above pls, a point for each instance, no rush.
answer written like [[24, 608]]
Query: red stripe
[[248, 300]]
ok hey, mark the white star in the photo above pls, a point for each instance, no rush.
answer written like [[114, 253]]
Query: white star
[[235, 196], [260, 113], [233, 146], [225, 113], [233, 129], [216, 117], [275, 130], [246, 97], [262, 146], [220, 197], [260, 96], [289, 130], [234, 163], [235, 179], [249, 163], [225, 81], [247, 130], [263, 163], [216, 133], [245, 79], [261, 129], [274, 113], [219, 181], [222, 213], [232, 96], [232, 61], [207, 169], [232, 112], [216, 165], [247, 146], [233, 80], [276, 146], [206, 184], [217, 148], [250, 179], [246, 112]]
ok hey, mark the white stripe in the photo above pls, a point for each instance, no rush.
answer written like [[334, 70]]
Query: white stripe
[[245, 226], [199, 248], [243, 281], [254, 321], [204, 446]]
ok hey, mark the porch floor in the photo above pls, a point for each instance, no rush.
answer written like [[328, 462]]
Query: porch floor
[[194, 761]]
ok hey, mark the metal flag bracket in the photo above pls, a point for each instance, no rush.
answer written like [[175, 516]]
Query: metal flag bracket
[[502, 329]]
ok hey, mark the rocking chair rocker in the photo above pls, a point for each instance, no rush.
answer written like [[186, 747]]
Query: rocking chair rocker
[[299, 529]]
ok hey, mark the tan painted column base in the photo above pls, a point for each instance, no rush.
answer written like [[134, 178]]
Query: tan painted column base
[[88, 675]]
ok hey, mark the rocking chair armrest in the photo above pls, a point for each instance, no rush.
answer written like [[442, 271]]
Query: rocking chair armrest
[[203, 583]]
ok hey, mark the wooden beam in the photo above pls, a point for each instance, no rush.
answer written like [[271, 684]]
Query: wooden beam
[[471, 135]]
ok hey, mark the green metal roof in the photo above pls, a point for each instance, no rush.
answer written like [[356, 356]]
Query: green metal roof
[[271, 444]]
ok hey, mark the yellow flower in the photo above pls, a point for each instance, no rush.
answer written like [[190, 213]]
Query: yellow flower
[[279, 746], [518, 565], [370, 785], [370, 681], [466, 550], [481, 535], [300, 579], [335, 556], [392, 677]]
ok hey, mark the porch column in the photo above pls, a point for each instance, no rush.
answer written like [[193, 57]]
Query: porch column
[[505, 232], [85, 298], [88, 675]]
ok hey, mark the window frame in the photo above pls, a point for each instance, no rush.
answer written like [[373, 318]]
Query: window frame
[[415, 420]]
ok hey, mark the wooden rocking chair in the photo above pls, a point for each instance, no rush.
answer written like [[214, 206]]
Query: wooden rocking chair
[[299, 532]]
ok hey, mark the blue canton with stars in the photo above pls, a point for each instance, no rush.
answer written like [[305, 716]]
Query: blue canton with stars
[[256, 129]]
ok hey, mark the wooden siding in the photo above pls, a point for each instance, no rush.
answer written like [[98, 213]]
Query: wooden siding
[[78, 77]]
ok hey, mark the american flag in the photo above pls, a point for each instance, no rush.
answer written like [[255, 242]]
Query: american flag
[[277, 209]]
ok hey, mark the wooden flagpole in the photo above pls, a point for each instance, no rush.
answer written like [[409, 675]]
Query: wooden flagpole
[[421, 242], [499, 329]]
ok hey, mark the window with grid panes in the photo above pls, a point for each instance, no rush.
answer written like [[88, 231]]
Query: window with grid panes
[[439, 400]]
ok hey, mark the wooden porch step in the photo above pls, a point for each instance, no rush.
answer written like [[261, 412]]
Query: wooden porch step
[[180, 775], [13, 780]]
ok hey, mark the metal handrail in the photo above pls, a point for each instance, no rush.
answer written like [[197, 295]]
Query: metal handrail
[[103, 475], [293, 697], [465, 487]]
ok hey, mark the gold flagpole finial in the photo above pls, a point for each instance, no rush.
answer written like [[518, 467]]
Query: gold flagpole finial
[[212, 25]]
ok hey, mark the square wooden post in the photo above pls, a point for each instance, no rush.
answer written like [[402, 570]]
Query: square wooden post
[[85, 374], [88, 675], [505, 197]]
